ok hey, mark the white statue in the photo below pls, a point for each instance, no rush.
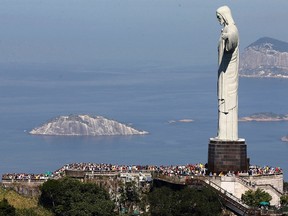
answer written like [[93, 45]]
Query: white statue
[[228, 60]]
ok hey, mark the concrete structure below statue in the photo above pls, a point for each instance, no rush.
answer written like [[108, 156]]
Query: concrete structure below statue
[[238, 185], [225, 156]]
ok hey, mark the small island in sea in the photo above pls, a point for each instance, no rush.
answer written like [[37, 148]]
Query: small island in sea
[[265, 116], [84, 125], [181, 121]]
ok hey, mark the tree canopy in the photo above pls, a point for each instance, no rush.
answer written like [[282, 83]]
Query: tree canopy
[[284, 200], [253, 198], [71, 197], [188, 201], [285, 187], [6, 209]]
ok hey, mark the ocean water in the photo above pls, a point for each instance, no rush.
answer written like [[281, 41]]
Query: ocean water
[[147, 97]]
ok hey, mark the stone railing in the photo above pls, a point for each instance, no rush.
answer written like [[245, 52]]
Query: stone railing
[[253, 184]]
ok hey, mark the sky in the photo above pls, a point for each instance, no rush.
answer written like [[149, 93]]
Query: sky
[[129, 32]]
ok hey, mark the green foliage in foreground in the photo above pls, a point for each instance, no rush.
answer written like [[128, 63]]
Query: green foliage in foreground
[[253, 198], [6, 209], [71, 197], [188, 201], [286, 186], [24, 206], [284, 200]]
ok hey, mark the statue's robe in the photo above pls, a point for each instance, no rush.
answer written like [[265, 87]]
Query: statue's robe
[[228, 59]]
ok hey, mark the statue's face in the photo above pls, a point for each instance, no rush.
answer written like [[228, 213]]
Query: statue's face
[[220, 18]]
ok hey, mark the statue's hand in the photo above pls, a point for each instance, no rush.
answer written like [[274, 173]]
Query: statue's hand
[[224, 36]]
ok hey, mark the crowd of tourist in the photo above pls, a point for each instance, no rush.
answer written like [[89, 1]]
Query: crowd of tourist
[[182, 170], [25, 176], [170, 170], [102, 167], [166, 170], [265, 170]]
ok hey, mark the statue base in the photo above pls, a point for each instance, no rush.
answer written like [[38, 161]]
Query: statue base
[[225, 156]]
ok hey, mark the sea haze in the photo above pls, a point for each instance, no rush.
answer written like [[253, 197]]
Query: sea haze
[[147, 97]]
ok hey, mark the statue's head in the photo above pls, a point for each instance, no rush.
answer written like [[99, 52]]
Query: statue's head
[[220, 19], [224, 15]]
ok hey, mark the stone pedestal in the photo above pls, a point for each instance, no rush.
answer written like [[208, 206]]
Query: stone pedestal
[[225, 156]]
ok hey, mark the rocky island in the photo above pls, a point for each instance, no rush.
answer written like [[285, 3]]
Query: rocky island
[[265, 116], [181, 121], [84, 125], [266, 57]]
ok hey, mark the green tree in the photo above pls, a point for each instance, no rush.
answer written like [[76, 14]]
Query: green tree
[[188, 201], [6, 209], [71, 197], [284, 200], [26, 212], [129, 195], [162, 201], [253, 198], [285, 187]]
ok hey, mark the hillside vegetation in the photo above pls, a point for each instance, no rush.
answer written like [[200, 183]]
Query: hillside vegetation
[[24, 205]]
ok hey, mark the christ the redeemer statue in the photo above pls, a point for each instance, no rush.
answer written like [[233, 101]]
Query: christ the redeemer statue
[[227, 152], [228, 60]]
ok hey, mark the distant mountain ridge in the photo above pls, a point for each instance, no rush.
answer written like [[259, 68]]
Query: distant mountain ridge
[[276, 45], [266, 57], [84, 125]]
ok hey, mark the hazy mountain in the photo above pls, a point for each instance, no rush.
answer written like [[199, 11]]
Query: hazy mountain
[[84, 125], [266, 57]]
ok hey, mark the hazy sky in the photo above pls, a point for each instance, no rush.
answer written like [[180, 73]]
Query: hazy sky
[[164, 32]]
